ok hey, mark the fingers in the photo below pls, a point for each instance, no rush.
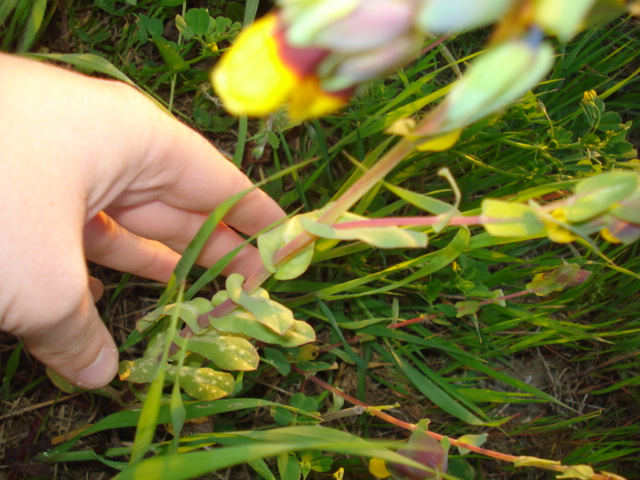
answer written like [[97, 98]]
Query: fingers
[[53, 313], [110, 245], [77, 345], [176, 228], [96, 287], [188, 173]]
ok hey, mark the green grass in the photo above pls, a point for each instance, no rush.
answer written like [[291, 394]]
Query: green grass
[[553, 377]]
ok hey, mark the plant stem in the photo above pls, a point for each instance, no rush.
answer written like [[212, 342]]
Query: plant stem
[[330, 216], [405, 221], [378, 412]]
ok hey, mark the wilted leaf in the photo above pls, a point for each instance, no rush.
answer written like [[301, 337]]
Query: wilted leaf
[[423, 449], [568, 275]]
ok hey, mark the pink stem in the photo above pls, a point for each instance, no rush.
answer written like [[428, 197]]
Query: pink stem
[[405, 221]]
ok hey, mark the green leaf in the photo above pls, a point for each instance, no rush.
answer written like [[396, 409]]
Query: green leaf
[[226, 351], [505, 219], [151, 26], [423, 202], [34, 24], [261, 467], [260, 444], [199, 21], [380, 237], [178, 412], [268, 312], [277, 359], [140, 370], [188, 312], [86, 61], [204, 383], [170, 55], [628, 209], [288, 467], [434, 393], [597, 194], [468, 307], [183, 28], [61, 382], [244, 323], [272, 241]]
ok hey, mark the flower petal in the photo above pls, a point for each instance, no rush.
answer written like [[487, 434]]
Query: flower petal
[[309, 100], [251, 78]]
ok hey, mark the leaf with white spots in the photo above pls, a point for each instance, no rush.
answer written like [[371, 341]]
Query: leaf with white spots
[[226, 351], [141, 370], [204, 383]]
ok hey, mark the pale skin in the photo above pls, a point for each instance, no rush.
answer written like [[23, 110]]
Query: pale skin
[[92, 169]]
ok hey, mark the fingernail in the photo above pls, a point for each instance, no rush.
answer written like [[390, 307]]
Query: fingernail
[[101, 371]]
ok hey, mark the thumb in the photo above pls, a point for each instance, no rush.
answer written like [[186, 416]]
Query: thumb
[[77, 345]]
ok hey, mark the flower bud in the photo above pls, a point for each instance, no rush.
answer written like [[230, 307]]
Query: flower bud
[[563, 18], [454, 16], [498, 77]]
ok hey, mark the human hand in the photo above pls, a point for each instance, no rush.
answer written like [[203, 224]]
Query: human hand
[[93, 169]]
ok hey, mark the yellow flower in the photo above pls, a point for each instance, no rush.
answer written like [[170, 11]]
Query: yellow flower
[[378, 468], [251, 78], [260, 73]]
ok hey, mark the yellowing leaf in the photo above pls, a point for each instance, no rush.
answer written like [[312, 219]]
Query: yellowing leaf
[[534, 462], [504, 219], [403, 127], [581, 472], [441, 142], [475, 440]]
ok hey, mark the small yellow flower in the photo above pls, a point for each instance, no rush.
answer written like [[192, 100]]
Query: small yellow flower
[[608, 236], [378, 468], [555, 231]]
